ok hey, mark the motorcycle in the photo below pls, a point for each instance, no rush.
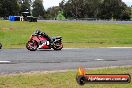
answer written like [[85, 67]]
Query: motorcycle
[[0, 46], [42, 41]]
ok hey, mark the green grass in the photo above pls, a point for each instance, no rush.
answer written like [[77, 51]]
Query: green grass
[[16, 34], [60, 79]]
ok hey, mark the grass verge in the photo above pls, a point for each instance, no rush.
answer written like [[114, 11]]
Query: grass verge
[[60, 79], [16, 34]]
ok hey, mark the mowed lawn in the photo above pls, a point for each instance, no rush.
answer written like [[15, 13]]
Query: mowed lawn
[[16, 34], [60, 79]]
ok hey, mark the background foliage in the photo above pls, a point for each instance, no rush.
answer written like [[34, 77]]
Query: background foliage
[[73, 9]]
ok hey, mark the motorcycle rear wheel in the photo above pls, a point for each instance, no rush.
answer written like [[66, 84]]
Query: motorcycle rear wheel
[[32, 45]]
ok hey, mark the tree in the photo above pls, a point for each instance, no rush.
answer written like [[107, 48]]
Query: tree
[[114, 9], [60, 16], [131, 12], [67, 8], [80, 8], [8, 7], [25, 5], [53, 12], [104, 9], [91, 8], [73, 8], [38, 9]]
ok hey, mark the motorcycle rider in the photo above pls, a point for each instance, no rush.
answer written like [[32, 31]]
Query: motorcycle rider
[[38, 32]]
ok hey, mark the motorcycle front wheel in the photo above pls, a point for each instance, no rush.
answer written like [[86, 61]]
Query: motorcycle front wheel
[[32, 45], [58, 46]]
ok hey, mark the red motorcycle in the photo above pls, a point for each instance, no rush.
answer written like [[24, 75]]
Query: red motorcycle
[[40, 40]]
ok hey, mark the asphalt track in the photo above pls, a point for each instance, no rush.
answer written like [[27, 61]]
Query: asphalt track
[[22, 60]]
